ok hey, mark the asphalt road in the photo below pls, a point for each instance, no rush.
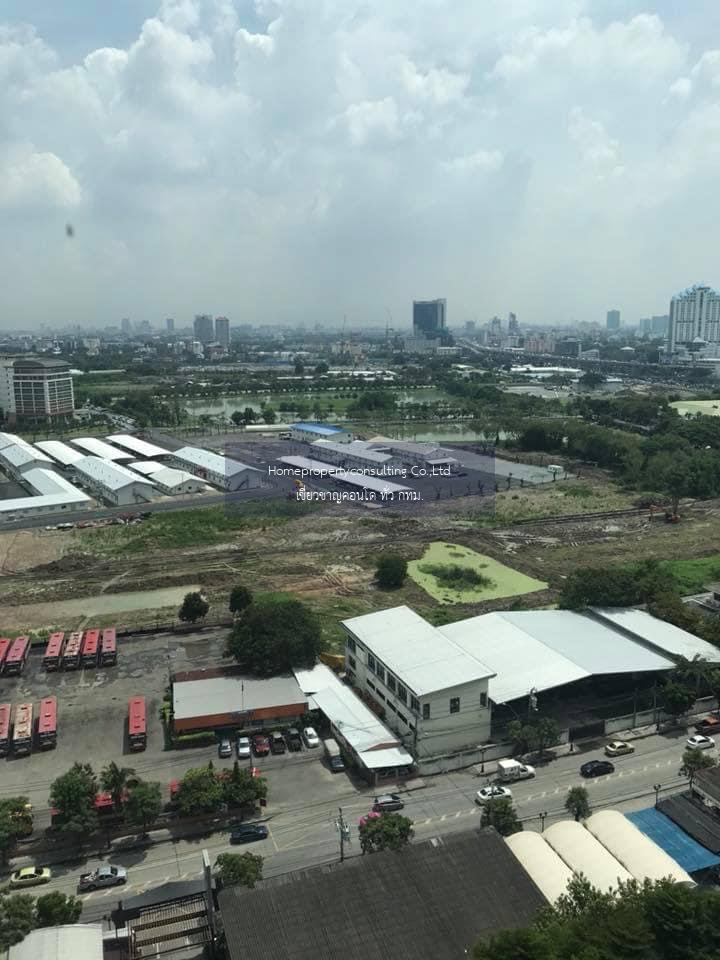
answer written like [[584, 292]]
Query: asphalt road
[[304, 833]]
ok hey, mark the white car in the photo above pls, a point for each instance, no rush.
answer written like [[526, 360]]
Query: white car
[[243, 748], [493, 792], [310, 737], [700, 742], [617, 748]]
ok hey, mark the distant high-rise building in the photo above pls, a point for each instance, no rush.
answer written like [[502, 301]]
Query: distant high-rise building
[[656, 326], [612, 320], [513, 325], [145, 327], [470, 328], [429, 317], [496, 328], [222, 331], [204, 328], [694, 317], [36, 388], [170, 325], [126, 325]]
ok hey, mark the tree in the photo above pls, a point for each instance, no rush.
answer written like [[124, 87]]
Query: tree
[[275, 634], [577, 803], [238, 869], [17, 918], [241, 788], [55, 909], [321, 368], [73, 796], [144, 805], [676, 699], [114, 780], [240, 598], [248, 415], [499, 813], [389, 831], [534, 735], [15, 821], [693, 760], [527, 944], [194, 607], [269, 415], [299, 368], [199, 791], [391, 571]]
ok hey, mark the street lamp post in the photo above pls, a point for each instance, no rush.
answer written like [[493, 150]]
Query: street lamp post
[[482, 759], [543, 818], [657, 787]]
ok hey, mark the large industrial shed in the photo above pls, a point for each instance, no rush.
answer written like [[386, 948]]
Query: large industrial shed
[[98, 448], [17, 456], [137, 447], [112, 482], [546, 869], [61, 452], [223, 472], [222, 699], [586, 855], [167, 479], [637, 852], [51, 494], [307, 432], [355, 454]]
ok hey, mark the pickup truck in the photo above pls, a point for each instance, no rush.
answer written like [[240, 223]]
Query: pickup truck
[[708, 725], [108, 876]]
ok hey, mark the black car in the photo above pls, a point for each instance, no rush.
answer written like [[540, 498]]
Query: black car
[[336, 764], [277, 743], [293, 739], [596, 768], [249, 833], [387, 802]]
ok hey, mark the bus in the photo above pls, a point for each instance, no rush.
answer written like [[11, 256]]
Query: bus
[[5, 713], [17, 656], [108, 648], [137, 731], [53, 652], [47, 724], [90, 648], [23, 730], [5, 644], [71, 654]]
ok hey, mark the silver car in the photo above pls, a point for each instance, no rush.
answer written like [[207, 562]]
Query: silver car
[[108, 876], [242, 748]]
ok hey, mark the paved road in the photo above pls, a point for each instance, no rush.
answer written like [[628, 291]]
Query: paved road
[[302, 833]]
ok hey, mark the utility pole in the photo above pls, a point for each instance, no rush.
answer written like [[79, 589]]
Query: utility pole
[[344, 830]]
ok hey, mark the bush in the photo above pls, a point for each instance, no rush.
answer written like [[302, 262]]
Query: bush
[[455, 576], [391, 571], [200, 739]]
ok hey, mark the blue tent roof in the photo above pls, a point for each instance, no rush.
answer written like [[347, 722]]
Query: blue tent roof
[[318, 428], [673, 840]]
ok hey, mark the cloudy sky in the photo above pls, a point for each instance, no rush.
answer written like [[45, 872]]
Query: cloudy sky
[[286, 160]]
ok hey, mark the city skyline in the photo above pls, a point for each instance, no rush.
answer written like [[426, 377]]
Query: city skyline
[[489, 158]]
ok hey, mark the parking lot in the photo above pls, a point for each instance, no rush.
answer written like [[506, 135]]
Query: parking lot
[[92, 728]]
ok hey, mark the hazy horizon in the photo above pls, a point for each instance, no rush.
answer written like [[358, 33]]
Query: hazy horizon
[[288, 161]]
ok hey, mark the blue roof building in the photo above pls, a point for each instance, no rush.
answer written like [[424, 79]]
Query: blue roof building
[[309, 431], [686, 851]]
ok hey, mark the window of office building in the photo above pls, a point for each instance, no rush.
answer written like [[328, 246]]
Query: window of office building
[[351, 644], [391, 682], [454, 704], [371, 662], [401, 693], [483, 699], [415, 704], [380, 671], [351, 662], [426, 711]]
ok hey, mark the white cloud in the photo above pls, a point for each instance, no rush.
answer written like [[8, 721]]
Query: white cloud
[[481, 160], [257, 41], [597, 149], [29, 179], [372, 119]]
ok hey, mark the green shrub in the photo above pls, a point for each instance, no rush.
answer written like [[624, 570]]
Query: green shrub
[[455, 576]]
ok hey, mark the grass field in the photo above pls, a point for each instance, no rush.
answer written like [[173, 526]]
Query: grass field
[[710, 408], [505, 582], [694, 575]]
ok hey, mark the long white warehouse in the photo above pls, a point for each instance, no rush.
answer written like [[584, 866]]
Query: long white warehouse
[[168, 479], [114, 483], [223, 472], [53, 494], [18, 458], [548, 871], [136, 446], [64, 454], [637, 852], [98, 448]]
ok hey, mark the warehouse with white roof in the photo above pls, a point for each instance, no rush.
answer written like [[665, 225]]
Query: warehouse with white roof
[[416, 670], [213, 468], [112, 482], [51, 494], [61, 452], [136, 446], [98, 448], [584, 854], [17, 458], [167, 479], [549, 872], [643, 858]]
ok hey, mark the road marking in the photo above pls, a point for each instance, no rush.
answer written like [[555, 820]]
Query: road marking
[[459, 814], [443, 816]]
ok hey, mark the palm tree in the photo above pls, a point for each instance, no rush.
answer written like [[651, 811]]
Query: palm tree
[[695, 672], [115, 780]]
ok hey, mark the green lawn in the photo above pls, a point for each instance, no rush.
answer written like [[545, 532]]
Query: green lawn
[[694, 575], [505, 582]]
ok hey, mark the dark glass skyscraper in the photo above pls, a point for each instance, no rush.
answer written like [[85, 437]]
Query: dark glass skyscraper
[[429, 318]]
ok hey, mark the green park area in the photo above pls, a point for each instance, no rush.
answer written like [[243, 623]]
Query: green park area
[[710, 408], [451, 573]]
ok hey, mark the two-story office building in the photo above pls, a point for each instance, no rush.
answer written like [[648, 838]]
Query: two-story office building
[[434, 693]]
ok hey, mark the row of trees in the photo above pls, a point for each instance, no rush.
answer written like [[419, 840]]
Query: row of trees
[[21, 913], [207, 790]]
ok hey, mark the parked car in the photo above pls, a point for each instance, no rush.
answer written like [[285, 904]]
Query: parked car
[[387, 802], [277, 744], [242, 748], [293, 739], [708, 725], [618, 748], [260, 745], [108, 876], [310, 737], [596, 768], [225, 748], [700, 742], [493, 792], [30, 877], [249, 833]]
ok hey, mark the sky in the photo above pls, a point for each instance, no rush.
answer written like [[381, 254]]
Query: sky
[[282, 161]]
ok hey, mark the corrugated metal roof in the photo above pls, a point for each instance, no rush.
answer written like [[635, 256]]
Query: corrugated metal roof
[[54, 491], [679, 845], [137, 446], [665, 636], [19, 454], [365, 481], [420, 655], [214, 462], [169, 477], [354, 449], [234, 694], [146, 467], [544, 866], [98, 448], [60, 451], [77, 941], [108, 474], [637, 852], [320, 428]]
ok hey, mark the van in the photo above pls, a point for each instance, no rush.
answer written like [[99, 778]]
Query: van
[[334, 756], [514, 770]]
